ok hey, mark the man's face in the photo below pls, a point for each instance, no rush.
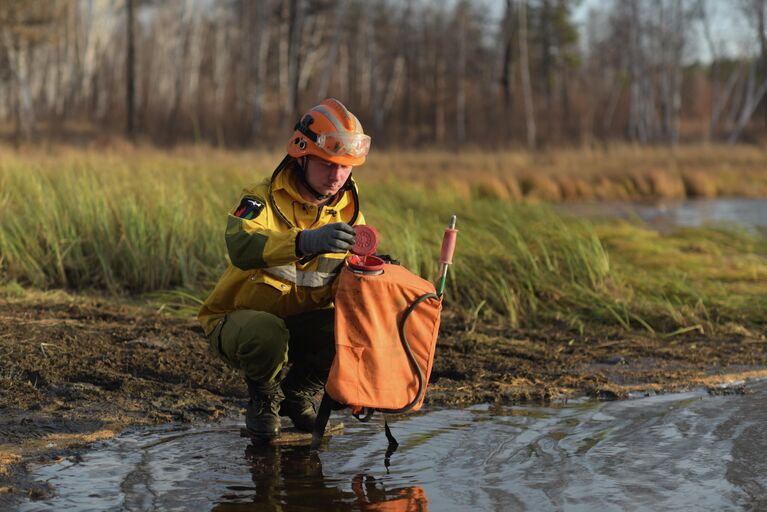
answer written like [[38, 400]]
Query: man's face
[[326, 177]]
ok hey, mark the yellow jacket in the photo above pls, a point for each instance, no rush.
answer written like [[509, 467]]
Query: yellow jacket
[[265, 274]]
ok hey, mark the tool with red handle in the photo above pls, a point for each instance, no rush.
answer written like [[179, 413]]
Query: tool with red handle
[[446, 255]]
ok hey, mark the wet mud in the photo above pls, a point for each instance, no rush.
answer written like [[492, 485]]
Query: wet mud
[[77, 370]]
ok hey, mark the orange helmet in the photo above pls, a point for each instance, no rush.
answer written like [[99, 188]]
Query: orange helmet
[[329, 131]]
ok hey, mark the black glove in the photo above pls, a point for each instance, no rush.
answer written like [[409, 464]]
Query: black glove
[[337, 237]]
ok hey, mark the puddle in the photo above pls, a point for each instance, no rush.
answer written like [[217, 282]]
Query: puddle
[[748, 213], [688, 451]]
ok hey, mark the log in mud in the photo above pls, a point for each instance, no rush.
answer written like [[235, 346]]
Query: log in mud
[[77, 370]]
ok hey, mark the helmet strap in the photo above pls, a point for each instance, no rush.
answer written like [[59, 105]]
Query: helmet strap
[[302, 176]]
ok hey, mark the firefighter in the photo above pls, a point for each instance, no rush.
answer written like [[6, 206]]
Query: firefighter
[[287, 240]]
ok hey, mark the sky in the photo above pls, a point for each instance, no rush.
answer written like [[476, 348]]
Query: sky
[[729, 28]]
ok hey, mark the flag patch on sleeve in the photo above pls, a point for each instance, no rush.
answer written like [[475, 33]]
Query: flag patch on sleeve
[[249, 208]]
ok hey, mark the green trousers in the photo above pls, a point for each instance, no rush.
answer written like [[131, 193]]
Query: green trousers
[[260, 343]]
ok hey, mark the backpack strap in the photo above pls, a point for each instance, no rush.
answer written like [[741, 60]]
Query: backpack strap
[[393, 444], [321, 423]]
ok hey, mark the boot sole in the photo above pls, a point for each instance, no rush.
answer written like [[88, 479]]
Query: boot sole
[[291, 435]]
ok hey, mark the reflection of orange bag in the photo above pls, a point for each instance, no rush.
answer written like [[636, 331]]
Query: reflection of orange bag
[[407, 499], [372, 368]]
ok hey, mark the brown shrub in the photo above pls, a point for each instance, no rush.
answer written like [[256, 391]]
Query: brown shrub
[[575, 188], [639, 185], [699, 184], [610, 189], [666, 185], [541, 187], [459, 186], [513, 187], [568, 188], [490, 187]]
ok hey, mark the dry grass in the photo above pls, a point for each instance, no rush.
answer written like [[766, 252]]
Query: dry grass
[[620, 172], [6, 459]]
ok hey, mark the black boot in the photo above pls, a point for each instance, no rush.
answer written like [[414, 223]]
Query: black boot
[[262, 412], [300, 391]]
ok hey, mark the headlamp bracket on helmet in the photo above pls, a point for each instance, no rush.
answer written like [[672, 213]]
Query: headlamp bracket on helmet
[[303, 126]]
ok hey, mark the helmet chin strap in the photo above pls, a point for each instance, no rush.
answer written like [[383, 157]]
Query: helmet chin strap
[[305, 182], [302, 176]]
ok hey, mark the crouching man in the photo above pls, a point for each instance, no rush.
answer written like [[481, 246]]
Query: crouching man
[[287, 239]]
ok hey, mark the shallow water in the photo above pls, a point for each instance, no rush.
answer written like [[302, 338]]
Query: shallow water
[[688, 451], [748, 213]]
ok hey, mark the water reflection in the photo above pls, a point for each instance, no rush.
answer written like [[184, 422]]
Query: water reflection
[[291, 478], [372, 496]]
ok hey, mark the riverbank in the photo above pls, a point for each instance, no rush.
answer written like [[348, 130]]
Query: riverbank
[[79, 369]]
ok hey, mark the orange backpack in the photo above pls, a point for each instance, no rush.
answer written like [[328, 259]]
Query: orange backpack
[[372, 368], [386, 326], [386, 332]]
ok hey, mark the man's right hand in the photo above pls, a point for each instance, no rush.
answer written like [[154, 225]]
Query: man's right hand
[[337, 237]]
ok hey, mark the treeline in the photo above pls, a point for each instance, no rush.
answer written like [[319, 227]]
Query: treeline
[[417, 72]]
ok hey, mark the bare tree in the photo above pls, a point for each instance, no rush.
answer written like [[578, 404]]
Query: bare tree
[[416, 71], [460, 76], [506, 79], [756, 84], [24, 27], [130, 69], [671, 27], [295, 22], [525, 70]]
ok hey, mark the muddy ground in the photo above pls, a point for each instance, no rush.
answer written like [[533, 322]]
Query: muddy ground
[[76, 370]]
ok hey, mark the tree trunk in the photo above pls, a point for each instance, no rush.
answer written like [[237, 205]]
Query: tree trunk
[[761, 7], [721, 100], [752, 98], [261, 53], [546, 65], [13, 51], [507, 72], [525, 69], [130, 71], [460, 93], [295, 28], [332, 57], [439, 99]]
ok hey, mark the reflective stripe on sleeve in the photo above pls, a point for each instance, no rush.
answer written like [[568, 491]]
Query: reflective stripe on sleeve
[[329, 265], [308, 278]]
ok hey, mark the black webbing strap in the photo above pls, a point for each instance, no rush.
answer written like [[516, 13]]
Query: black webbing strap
[[393, 444], [303, 126], [323, 415], [365, 415]]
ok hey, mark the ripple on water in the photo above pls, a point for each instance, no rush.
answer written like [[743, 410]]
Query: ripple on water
[[688, 451]]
